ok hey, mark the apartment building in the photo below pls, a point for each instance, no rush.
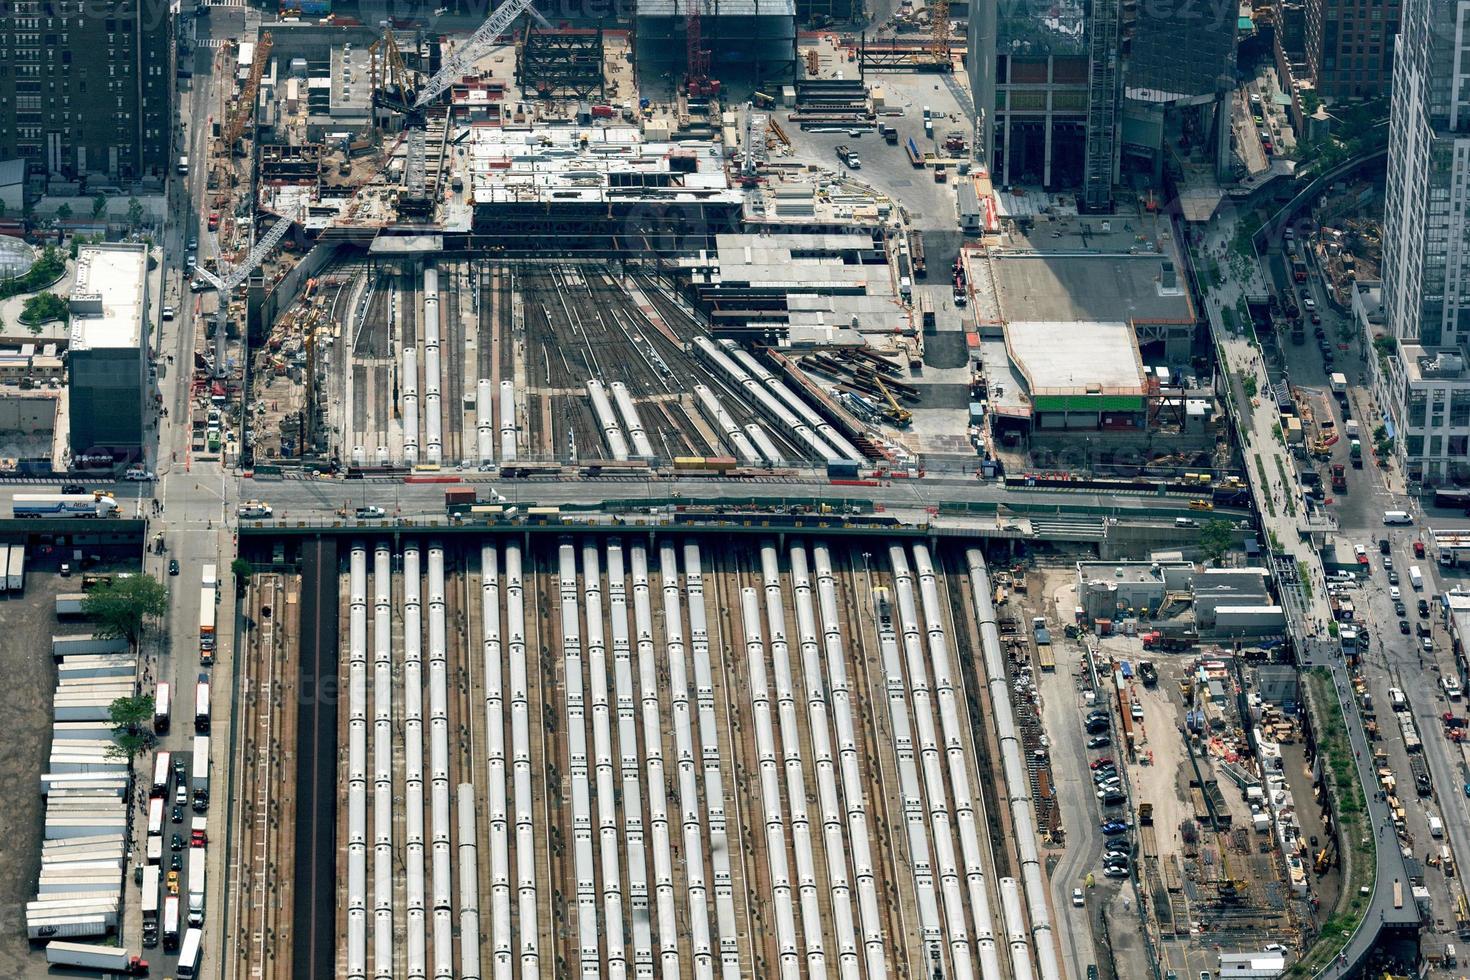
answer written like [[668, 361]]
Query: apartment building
[[1349, 46]]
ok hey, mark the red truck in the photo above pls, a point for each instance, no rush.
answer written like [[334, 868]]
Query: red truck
[[1339, 478]]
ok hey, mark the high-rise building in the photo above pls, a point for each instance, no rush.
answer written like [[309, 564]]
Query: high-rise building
[[1063, 88], [1349, 46], [1028, 72], [107, 354], [86, 86], [1426, 245]]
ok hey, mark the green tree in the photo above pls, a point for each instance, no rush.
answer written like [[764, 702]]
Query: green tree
[[1216, 538], [135, 212], [132, 719], [120, 608], [241, 569], [99, 204], [42, 307], [63, 213]]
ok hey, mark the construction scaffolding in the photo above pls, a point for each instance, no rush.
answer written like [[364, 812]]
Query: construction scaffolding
[[1102, 109], [560, 63]]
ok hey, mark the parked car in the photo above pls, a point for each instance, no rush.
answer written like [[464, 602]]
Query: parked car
[[1112, 827], [1112, 798], [1115, 872], [173, 566], [1424, 608], [1404, 626], [1393, 578], [1399, 608], [1428, 643], [1099, 763], [1099, 742], [1394, 593], [73, 488], [176, 843], [1078, 899]]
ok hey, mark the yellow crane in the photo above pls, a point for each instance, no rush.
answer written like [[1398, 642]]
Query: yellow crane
[[895, 412], [939, 25]]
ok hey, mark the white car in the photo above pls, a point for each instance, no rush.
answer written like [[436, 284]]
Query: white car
[[168, 312], [1077, 898], [138, 475], [254, 509], [1394, 593], [370, 511]]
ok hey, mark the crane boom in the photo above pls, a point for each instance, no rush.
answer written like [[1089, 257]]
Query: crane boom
[[471, 51]]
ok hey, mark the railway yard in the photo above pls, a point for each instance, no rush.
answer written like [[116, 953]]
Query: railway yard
[[477, 364], [607, 756]]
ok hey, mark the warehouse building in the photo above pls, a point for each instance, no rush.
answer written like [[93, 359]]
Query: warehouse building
[[108, 352]]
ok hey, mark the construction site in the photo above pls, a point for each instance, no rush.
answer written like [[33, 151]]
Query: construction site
[[604, 755], [585, 195]]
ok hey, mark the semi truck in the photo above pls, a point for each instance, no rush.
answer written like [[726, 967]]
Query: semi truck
[[88, 956], [150, 904], [63, 505], [206, 625], [200, 779], [196, 886]]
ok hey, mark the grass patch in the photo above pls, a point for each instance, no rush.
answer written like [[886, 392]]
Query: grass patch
[[1359, 844], [1265, 483], [1275, 541], [1285, 481], [1304, 579]]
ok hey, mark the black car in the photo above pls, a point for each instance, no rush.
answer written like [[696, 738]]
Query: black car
[[1398, 607], [176, 843], [173, 566], [1114, 799], [176, 863], [1424, 608], [177, 814], [1393, 577], [1383, 546], [1404, 626], [73, 488], [1096, 727]]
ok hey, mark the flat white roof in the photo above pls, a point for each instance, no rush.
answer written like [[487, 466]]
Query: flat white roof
[[581, 163], [107, 298], [1070, 356]]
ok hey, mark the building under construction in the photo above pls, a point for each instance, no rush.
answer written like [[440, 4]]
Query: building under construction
[[560, 63], [741, 40]]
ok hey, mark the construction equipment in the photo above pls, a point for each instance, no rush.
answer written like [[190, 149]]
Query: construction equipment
[[244, 108], [894, 413], [392, 88], [939, 26], [225, 284], [699, 84]]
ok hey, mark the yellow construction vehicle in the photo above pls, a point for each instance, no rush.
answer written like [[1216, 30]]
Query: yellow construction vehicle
[[893, 412]]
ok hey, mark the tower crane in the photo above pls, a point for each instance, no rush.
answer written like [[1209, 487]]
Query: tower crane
[[399, 98], [244, 107], [225, 284]]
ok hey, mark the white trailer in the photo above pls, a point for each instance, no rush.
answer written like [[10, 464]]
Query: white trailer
[[200, 779], [155, 848], [150, 894], [171, 923], [155, 815], [63, 505], [69, 925], [89, 956], [15, 569], [211, 577], [201, 704], [196, 886]]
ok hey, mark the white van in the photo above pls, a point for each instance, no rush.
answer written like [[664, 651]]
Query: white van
[[1397, 517]]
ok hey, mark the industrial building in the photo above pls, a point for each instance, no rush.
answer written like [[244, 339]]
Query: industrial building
[[109, 352], [1180, 600]]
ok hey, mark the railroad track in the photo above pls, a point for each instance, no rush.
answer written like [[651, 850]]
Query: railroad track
[[313, 892]]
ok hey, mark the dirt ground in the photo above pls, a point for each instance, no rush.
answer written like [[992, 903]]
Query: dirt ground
[[27, 624]]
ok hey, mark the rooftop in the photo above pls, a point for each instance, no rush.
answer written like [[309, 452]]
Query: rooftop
[[570, 164], [107, 298], [1089, 287], [1434, 363], [1058, 357]]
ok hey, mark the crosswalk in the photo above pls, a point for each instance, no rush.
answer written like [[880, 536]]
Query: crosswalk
[[213, 42]]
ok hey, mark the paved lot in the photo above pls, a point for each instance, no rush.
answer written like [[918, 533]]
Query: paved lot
[[27, 623]]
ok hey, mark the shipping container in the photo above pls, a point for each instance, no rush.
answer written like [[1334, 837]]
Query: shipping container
[[67, 603], [85, 643], [88, 956]]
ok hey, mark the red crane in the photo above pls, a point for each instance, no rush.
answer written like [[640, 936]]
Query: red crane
[[700, 85]]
